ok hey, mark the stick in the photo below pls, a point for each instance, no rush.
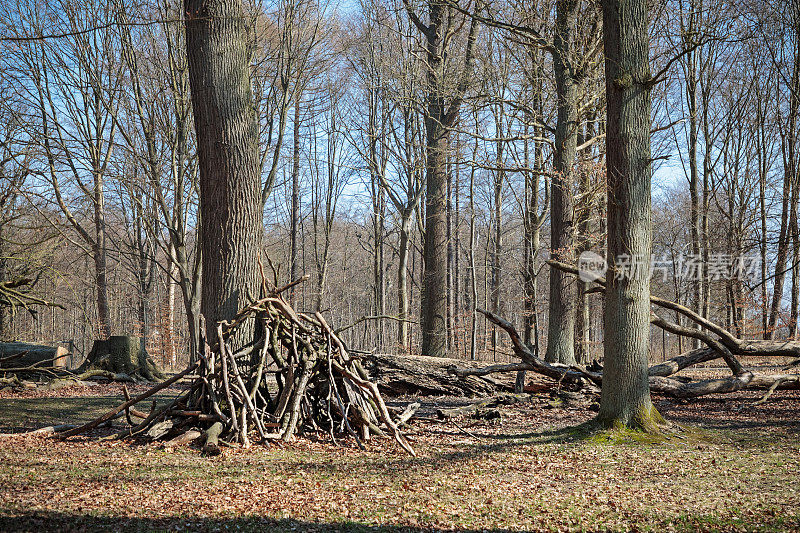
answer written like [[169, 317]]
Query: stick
[[99, 420]]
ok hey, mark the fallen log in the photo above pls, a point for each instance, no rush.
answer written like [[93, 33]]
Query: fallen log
[[678, 363], [399, 375], [659, 379], [184, 438], [143, 396], [49, 430], [21, 354], [481, 405]]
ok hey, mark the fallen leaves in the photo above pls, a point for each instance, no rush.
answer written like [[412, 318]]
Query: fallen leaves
[[525, 474]]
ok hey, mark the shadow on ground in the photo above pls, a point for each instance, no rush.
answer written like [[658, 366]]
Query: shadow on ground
[[48, 521], [25, 414]]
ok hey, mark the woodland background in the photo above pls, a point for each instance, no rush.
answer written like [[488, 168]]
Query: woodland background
[[98, 174]]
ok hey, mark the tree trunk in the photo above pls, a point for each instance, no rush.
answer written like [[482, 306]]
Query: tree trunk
[[625, 397], [295, 223], [4, 314], [218, 43], [169, 344], [402, 282], [561, 311], [789, 201], [583, 244], [497, 233], [441, 112], [434, 301], [473, 283]]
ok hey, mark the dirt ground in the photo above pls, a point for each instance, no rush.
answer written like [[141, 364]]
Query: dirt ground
[[733, 467]]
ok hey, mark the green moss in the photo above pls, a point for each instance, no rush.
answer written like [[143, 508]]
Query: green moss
[[625, 435], [624, 81]]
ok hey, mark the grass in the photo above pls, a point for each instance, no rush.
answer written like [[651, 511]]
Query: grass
[[537, 472]]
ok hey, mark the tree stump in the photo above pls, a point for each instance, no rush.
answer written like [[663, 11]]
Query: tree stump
[[122, 354]]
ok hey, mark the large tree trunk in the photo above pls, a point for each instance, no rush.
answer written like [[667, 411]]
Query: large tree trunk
[[625, 398], [434, 301], [442, 107], [20, 354], [218, 44], [561, 311]]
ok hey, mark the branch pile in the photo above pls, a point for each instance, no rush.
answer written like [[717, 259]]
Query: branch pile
[[296, 375], [720, 344]]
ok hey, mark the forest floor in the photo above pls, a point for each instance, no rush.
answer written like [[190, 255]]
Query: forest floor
[[736, 467]]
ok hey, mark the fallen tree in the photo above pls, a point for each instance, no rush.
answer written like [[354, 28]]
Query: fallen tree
[[318, 386], [417, 374], [720, 344], [22, 354]]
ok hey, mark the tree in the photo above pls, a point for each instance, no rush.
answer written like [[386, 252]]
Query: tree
[[625, 398], [72, 87], [444, 95], [218, 44]]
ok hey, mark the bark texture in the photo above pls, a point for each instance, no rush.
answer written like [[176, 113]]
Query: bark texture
[[561, 311], [218, 45], [625, 398]]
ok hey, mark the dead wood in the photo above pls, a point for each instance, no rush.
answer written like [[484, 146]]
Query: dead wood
[[184, 438], [49, 430], [725, 346], [211, 439], [318, 386], [143, 396], [398, 375]]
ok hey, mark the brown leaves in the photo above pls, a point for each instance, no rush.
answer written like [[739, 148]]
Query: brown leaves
[[521, 475]]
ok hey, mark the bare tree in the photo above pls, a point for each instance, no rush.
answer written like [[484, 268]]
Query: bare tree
[[444, 94], [72, 84]]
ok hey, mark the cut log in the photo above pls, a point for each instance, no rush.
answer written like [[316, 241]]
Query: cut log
[[211, 445], [20, 354], [184, 438]]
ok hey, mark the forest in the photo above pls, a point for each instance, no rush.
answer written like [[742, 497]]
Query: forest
[[399, 265]]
